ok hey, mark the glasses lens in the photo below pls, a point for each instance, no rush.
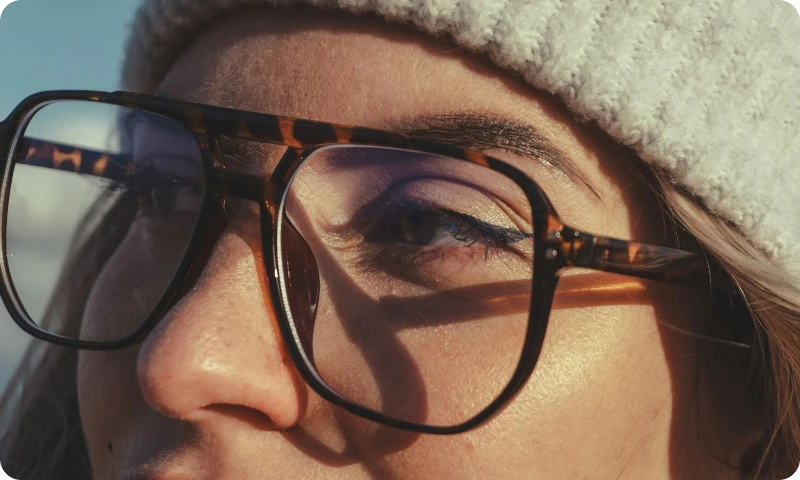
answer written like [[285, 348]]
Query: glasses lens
[[101, 205], [413, 299]]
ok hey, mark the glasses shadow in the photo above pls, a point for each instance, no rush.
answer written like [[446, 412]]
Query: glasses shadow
[[376, 339], [349, 303]]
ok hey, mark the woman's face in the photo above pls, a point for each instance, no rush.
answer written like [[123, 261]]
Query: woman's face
[[212, 393]]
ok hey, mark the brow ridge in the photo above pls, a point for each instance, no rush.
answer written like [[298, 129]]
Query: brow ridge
[[482, 132]]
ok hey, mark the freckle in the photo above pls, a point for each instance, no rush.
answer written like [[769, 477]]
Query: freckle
[[110, 448]]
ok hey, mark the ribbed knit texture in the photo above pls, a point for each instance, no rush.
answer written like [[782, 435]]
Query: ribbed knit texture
[[708, 90]]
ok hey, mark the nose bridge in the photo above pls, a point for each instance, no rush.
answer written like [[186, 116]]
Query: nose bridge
[[249, 187], [251, 218]]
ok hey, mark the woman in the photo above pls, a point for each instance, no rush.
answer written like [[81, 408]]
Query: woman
[[634, 378]]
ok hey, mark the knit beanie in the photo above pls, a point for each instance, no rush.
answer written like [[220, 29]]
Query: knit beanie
[[704, 90]]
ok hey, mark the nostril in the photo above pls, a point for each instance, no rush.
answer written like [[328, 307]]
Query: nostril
[[250, 416]]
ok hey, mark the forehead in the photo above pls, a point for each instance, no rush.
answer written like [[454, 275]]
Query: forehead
[[340, 68], [364, 71]]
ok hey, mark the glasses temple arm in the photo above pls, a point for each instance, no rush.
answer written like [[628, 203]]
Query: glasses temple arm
[[661, 264], [632, 258], [46, 154]]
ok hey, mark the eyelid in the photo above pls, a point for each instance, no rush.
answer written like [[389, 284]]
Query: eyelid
[[514, 211]]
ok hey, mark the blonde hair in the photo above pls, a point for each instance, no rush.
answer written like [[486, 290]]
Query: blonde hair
[[774, 302]]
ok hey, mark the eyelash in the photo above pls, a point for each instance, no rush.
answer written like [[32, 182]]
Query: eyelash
[[470, 230]]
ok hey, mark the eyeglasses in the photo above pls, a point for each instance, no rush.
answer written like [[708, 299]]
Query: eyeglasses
[[412, 281]]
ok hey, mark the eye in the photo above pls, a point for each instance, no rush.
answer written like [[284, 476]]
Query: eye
[[430, 227], [437, 228], [421, 242], [407, 222]]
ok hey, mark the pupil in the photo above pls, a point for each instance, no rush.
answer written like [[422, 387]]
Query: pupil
[[419, 228]]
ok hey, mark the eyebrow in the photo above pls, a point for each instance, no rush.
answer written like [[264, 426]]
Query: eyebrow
[[473, 131], [484, 133]]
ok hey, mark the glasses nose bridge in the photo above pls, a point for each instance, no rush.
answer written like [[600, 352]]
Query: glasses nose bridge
[[248, 187], [262, 189]]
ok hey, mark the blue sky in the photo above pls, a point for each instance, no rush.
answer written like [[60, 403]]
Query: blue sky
[[56, 45], [60, 44]]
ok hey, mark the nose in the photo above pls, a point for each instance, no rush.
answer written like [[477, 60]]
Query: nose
[[219, 346]]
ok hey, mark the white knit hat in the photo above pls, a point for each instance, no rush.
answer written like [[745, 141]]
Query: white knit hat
[[706, 90]]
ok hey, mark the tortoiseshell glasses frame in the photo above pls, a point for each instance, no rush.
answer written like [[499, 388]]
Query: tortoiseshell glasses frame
[[556, 245]]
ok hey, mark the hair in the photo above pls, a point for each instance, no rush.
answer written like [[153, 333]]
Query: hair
[[40, 428], [774, 302]]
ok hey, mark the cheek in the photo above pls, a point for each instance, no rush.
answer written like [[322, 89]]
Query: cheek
[[109, 402], [408, 351], [601, 387]]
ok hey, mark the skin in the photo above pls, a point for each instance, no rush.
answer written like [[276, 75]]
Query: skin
[[212, 393]]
